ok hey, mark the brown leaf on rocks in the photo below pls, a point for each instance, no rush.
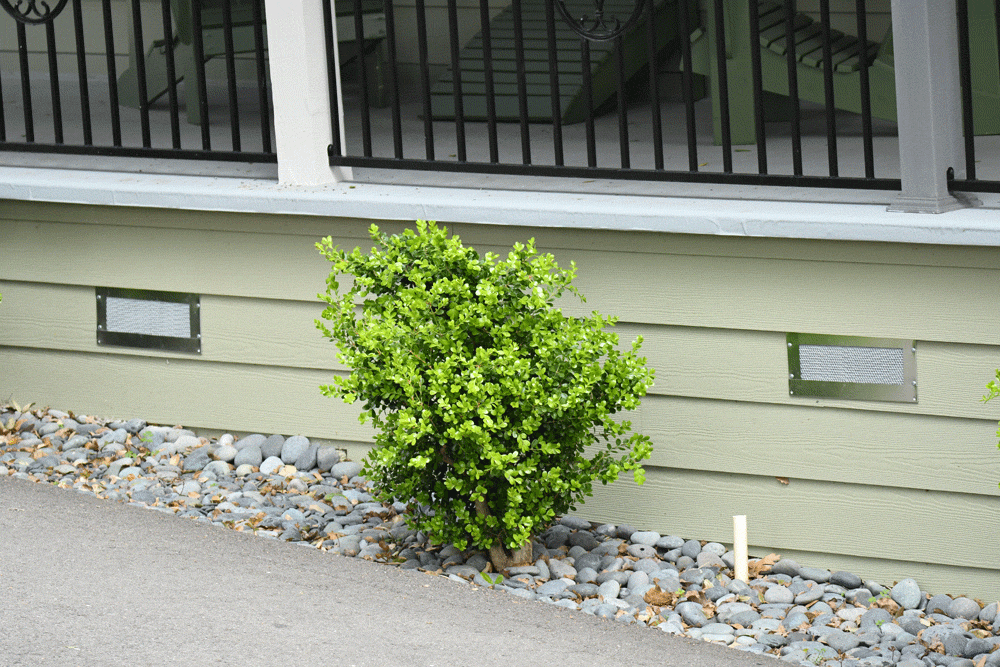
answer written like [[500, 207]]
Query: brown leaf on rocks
[[889, 605], [762, 565], [981, 662], [937, 647], [658, 597], [781, 631]]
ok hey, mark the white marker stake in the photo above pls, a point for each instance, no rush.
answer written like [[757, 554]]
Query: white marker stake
[[742, 568]]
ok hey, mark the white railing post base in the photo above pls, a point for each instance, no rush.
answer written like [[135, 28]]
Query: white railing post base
[[301, 94]]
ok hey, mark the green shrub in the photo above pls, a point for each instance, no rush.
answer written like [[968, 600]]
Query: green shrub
[[491, 408]]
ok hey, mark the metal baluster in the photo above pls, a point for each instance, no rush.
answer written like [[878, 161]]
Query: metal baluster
[[687, 86], [262, 98], [336, 149], [397, 128], [456, 80], [234, 110], [758, 87], [359, 43], [557, 135], [722, 75], [965, 77], [793, 87], [199, 72], [654, 87], [81, 68], [491, 110], [522, 86], [109, 51], [588, 97], [50, 45], [622, 106], [140, 48], [425, 80], [866, 98], [22, 50], [831, 107], [168, 39]]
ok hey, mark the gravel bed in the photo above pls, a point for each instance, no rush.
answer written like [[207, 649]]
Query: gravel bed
[[293, 490]]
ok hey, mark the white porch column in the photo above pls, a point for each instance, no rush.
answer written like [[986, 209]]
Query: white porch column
[[296, 48], [928, 104]]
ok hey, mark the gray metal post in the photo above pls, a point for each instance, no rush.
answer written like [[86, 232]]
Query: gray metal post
[[928, 104]]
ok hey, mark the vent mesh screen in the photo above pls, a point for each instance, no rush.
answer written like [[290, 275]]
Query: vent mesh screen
[[838, 363], [152, 318]]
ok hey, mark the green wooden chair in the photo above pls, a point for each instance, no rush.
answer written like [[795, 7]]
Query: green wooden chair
[[213, 40], [846, 62]]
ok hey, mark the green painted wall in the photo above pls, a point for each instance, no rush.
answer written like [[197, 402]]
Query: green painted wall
[[886, 489]]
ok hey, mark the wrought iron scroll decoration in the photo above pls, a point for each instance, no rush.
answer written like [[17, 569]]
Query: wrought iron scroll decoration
[[32, 12], [598, 27]]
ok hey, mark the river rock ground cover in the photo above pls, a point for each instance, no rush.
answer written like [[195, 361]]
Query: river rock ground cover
[[294, 490]]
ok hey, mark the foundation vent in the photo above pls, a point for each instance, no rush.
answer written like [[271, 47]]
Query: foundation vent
[[148, 320], [872, 369]]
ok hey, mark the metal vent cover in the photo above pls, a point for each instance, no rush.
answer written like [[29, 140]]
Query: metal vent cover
[[148, 319], [872, 369]]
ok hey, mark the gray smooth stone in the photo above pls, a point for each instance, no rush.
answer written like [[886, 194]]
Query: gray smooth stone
[[348, 469], [585, 590], [270, 465], [307, 460], [561, 569], [669, 542], [224, 453], [587, 575], [254, 439], [692, 614], [609, 589], [778, 595], [691, 549], [327, 456], [964, 608], [272, 446], [840, 641], [293, 448], [553, 587], [249, 455], [786, 566], [218, 468], [574, 522], [848, 580], [641, 551], [584, 539], [906, 594], [815, 574], [647, 537]]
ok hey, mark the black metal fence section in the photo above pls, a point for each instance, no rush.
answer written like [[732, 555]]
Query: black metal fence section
[[980, 114], [464, 131], [163, 100]]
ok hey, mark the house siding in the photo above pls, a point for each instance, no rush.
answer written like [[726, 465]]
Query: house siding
[[888, 490]]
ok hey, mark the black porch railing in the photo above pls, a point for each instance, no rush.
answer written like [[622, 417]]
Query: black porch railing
[[790, 101], [163, 97]]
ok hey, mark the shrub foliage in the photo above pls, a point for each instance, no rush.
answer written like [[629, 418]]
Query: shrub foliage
[[492, 409]]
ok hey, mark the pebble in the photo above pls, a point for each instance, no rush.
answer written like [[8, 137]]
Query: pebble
[[291, 489]]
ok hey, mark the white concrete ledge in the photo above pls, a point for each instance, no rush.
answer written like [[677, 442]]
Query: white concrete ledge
[[864, 221]]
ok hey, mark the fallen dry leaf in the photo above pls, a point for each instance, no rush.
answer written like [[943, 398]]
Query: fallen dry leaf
[[783, 480], [762, 565]]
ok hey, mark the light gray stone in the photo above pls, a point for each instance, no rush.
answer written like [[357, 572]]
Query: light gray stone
[[272, 446], [647, 537], [778, 595], [326, 457], [307, 460], [964, 608], [293, 448], [270, 465], [692, 613], [224, 453], [906, 594], [249, 455], [346, 469], [609, 589]]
